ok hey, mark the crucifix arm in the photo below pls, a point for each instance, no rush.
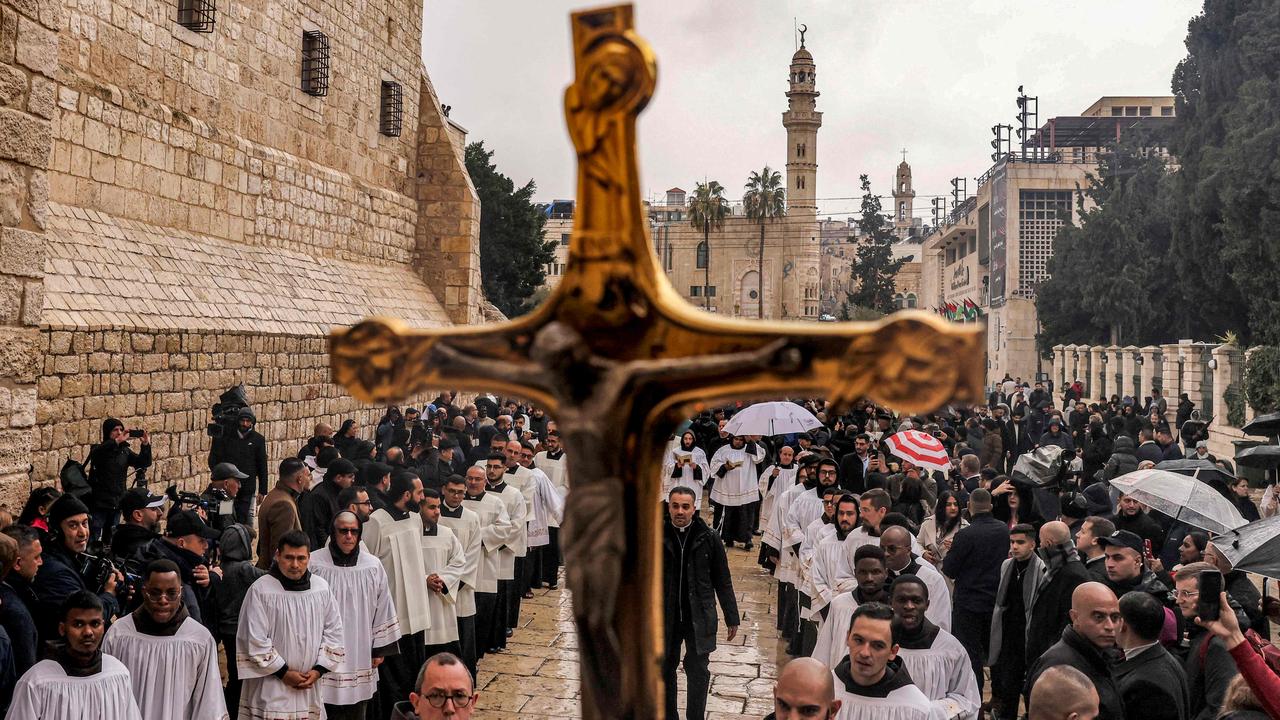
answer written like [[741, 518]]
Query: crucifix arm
[[699, 368], [451, 359]]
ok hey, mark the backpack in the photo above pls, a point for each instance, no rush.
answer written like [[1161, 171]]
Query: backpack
[[74, 478]]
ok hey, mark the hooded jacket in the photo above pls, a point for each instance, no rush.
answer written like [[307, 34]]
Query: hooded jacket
[[1122, 459], [109, 464], [238, 573], [247, 451]]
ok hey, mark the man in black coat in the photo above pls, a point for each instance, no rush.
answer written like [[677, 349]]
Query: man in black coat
[[1051, 610], [855, 466], [109, 463], [1149, 677], [1088, 645], [245, 448], [974, 561], [695, 573]]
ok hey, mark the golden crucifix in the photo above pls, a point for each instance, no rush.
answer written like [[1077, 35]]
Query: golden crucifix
[[618, 359]]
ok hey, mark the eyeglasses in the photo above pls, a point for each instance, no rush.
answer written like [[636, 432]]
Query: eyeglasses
[[366, 502], [170, 595], [348, 531], [1186, 593], [826, 473], [459, 699]]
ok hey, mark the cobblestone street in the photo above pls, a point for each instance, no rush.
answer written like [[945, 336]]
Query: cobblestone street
[[537, 676]]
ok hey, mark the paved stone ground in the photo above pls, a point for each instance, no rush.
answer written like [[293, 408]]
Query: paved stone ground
[[537, 675]]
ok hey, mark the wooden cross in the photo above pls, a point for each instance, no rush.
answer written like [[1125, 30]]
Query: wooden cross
[[618, 359]]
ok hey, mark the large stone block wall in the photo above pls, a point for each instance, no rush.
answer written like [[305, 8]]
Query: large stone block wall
[[166, 382], [28, 58]]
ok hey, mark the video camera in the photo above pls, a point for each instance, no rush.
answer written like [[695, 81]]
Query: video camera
[[226, 412], [185, 500]]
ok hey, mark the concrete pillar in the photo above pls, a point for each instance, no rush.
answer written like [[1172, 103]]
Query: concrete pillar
[[1129, 365], [1172, 369], [1114, 369], [1194, 368], [1147, 369], [1229, 362], [1059, 369], [1098, 372]]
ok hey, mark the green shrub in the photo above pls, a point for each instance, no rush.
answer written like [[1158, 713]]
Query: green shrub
[[1262, 379]]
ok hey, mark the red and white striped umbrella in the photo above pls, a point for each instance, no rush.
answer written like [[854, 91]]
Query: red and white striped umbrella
[[920, 448]]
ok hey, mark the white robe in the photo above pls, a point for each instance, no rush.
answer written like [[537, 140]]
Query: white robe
[[495, 528], [832, 644], [785, 481], [174, 677], [467, 529], [278, 628], [740, 485], [546, 507], [816, 532], [443, 555], [905, 703], [686, 475], [944, 675], [516, 542], [369, 621], [47, 692], [826, 576], [557, 469], [775, 533], [397, 545]]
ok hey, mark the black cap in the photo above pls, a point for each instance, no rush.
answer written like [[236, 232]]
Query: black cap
[[223, 471], [64, 507], [1123, 538], [139, 498], [448, 443], [187, 522]]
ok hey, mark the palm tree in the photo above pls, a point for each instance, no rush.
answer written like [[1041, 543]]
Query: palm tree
[[764, 199], [707, 211]]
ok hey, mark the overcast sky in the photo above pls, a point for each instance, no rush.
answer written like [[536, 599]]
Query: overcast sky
[[930, 76]]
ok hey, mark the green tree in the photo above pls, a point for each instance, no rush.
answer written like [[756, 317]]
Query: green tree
[[707, 211], [513, 253], [874, 267], [1227, 142], [1107, 274], [765, 200]]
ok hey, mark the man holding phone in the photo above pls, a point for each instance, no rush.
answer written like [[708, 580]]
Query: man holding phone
[[109, 464], [1209, 665]]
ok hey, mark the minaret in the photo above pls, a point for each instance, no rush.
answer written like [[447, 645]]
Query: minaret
[[903, 198], [802, 121]]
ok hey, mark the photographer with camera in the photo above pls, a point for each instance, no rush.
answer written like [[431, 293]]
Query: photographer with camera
[[219, 498], [246, 449], [141, 511], [109, 464], [68, 569]]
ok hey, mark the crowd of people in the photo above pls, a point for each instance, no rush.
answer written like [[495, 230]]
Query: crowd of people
[[914, 587], [367, 582]]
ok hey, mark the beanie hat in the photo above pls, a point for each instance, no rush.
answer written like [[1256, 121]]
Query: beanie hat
[[63, 508]]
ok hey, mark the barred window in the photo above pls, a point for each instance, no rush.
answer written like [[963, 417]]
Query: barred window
[[197, 15], [315, 63], [390, 109]]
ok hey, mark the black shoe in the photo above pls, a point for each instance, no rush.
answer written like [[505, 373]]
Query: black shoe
[[510, 632], [748, 546]]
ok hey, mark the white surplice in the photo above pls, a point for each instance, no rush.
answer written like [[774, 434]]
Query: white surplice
[[466, 528], [397, 544], [298, 629], [516, 542], [443, 555], [546, 508], [775, 536], [943, 673], [174, 677], [495, 528], [368, 621], [904, 703], [817, 531], [785, 481], [739, 485], [833, 634], [827, 577], [686, 475], [557, 469], [47, 692]]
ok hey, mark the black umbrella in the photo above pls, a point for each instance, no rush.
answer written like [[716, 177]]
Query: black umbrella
[[1253, 548], [1260, 456], [1263, 425]]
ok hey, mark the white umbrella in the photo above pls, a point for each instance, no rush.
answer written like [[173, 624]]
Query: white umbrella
[[1182, 498], [772, 418]]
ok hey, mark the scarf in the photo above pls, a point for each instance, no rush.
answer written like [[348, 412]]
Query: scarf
[[146, 625], [302, 583], [919, 639], [343, 559], [76, 667]]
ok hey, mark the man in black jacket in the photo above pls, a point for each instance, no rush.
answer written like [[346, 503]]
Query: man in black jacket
[[1063, 572], [1149, 678], [1088, 645], [60, 576], [18, 604], [109, 464], [855, 466], [974, 561], [317, 508], [245, 448], [695, 573]]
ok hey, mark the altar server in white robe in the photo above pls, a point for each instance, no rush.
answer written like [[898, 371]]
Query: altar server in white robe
[[896, 542], [736, 489], [495, 532], [289, 637], [827, 570], [817, 532], [393, 535], [465, 525], [444, 564], [553, 462], [785, 559], [546, 506], [685, 464], [937, 662], [871, 683], [774, 481], [869, 574], [172, 658], [511, 555], [370, 628], [79, 681]]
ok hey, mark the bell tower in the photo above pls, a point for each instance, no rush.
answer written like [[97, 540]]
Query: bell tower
[[802, 121], [903, 198]]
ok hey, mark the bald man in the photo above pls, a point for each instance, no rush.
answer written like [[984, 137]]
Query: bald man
[[1063, 693], [805, 691], [1088, 644], [1063, 573]]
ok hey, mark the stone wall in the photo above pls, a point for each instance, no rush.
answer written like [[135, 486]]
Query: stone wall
[[28, 60]]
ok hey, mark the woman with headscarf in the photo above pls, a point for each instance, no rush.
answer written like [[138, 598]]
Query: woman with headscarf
[[370, 629], [347, 438], [685, 464], [937, 530]]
